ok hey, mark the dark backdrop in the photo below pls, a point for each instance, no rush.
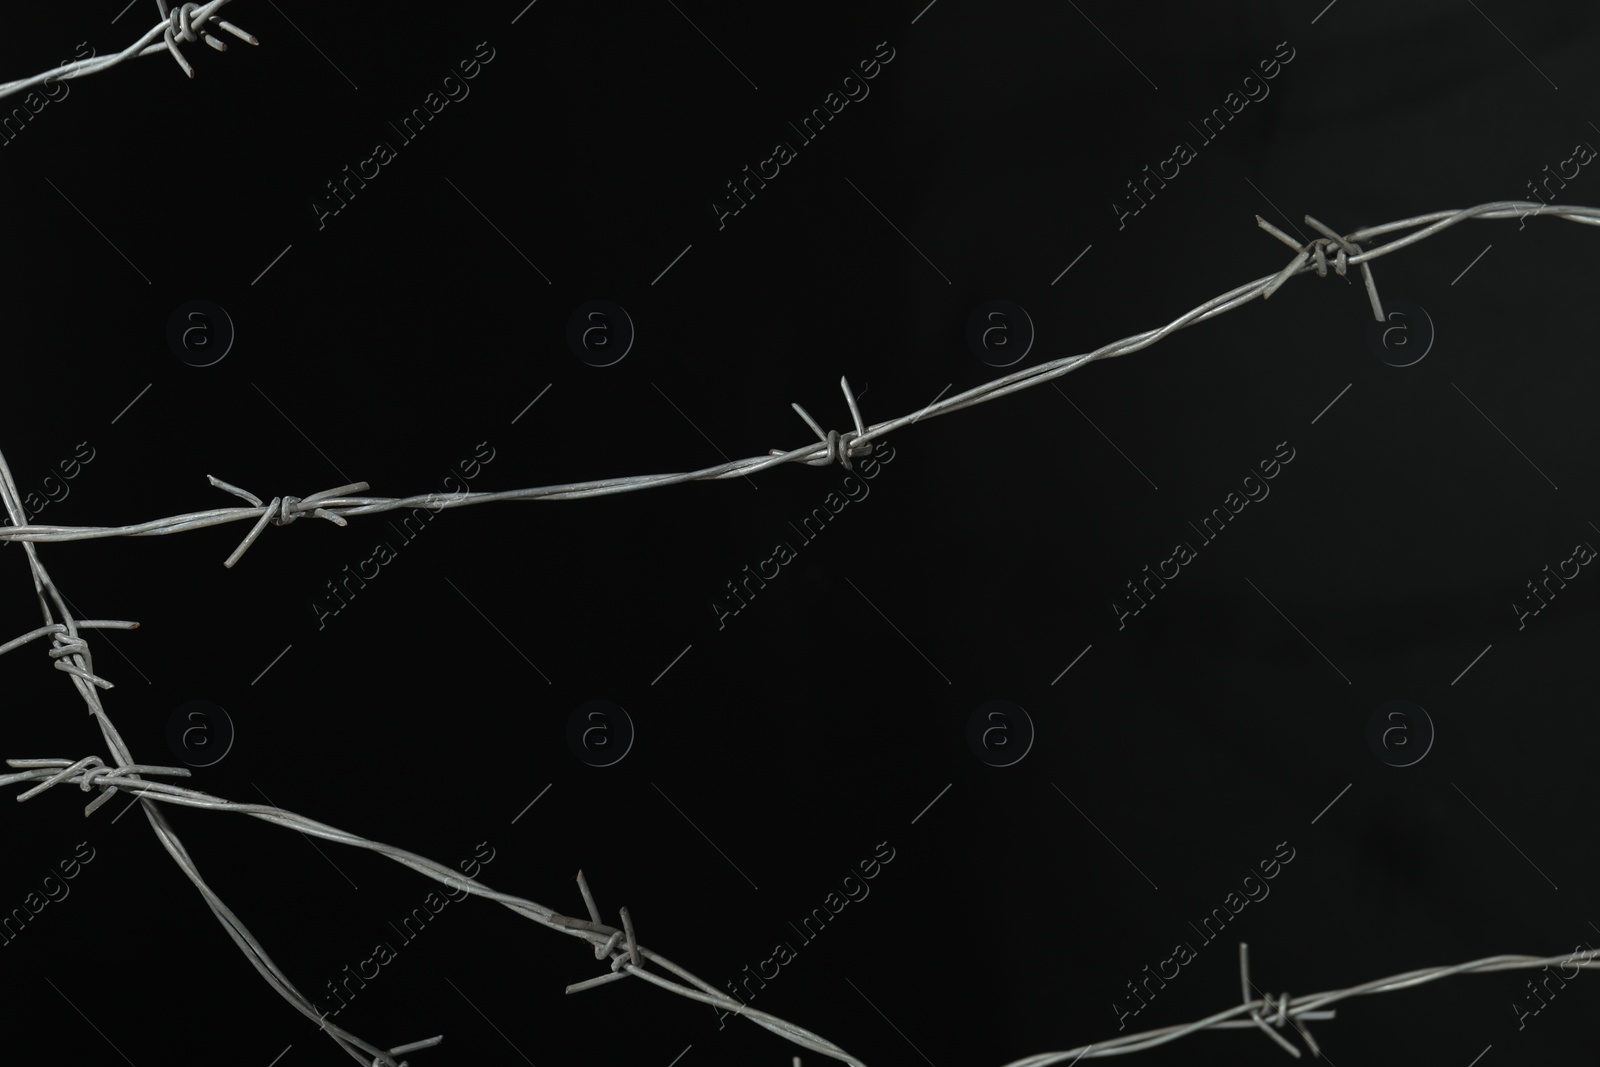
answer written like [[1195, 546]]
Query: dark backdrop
[[422, 330]]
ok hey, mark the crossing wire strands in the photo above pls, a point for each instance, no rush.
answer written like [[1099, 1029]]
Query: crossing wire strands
[[71, 653]]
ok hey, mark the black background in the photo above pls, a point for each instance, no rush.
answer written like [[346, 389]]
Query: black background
[[411, 331]]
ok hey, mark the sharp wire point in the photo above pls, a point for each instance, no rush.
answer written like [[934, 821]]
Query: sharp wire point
[[69, 651]]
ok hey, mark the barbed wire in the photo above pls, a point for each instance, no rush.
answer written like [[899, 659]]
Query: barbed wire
[[1268, 1012], [72, 655], [626, 954], [335, 505], [186, 23]]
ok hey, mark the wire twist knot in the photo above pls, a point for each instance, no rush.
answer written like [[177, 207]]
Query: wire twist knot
[[285, 509], [1271, 1019], [182, 26], [89, 772], [179, 24], [1316, 252], [840, 448], [622, 946]]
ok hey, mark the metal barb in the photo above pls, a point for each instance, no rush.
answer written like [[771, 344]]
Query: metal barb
[[187, 23], [835, 447], [628, 956]]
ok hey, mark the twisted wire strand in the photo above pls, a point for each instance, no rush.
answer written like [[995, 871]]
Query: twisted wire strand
[[626, 954], [71, 653], [1316, 255], [186, 23], [1284, 1009]]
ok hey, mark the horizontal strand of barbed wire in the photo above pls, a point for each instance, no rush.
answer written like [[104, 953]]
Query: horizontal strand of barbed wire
[[72, 655], [337, 504]]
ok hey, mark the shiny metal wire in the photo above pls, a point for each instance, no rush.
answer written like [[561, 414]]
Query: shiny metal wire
[[72, 655], [185, 23]]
